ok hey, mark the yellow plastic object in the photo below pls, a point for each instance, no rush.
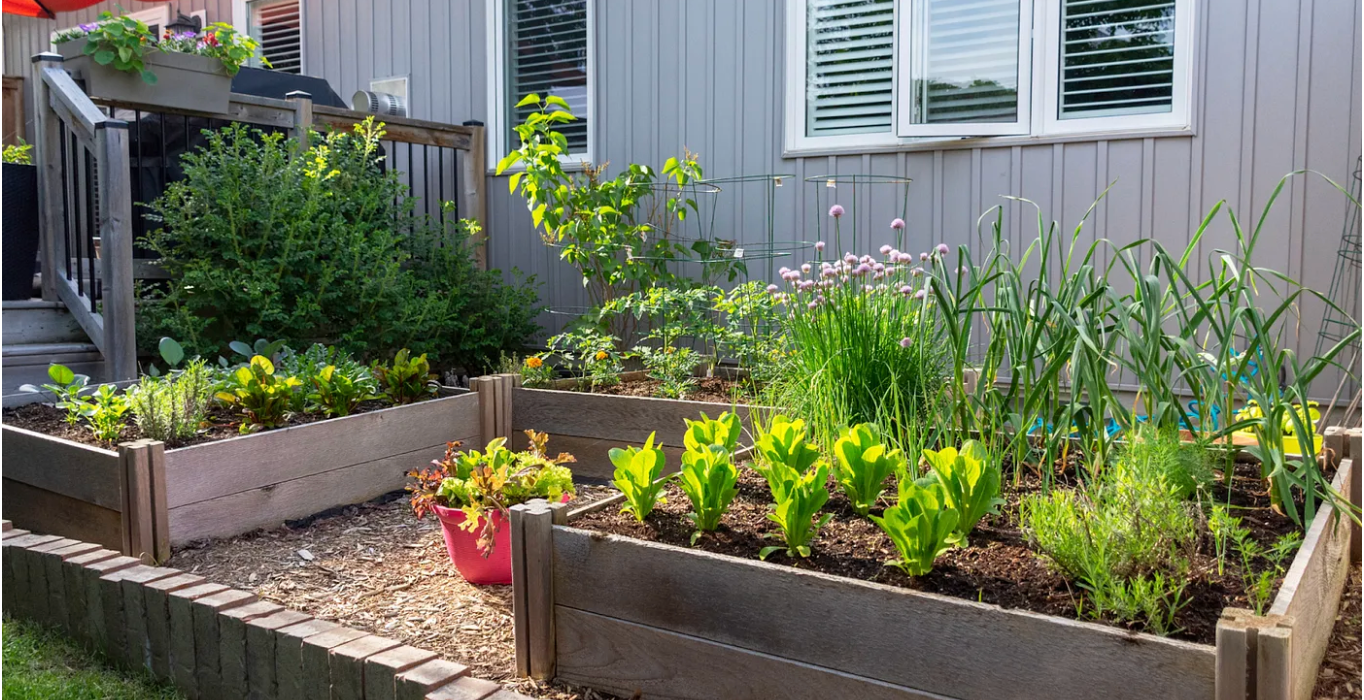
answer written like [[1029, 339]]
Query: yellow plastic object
[[1290, 441]]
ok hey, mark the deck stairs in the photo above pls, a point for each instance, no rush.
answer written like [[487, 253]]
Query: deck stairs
[[36, 334]]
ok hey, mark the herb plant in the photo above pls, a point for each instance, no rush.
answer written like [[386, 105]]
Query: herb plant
[[863, 464], [406, 379], [710, 481], [638, 475], [970, 479], [67, 386], [171, 407], [1229, 534], [263, 397], [921, 525]]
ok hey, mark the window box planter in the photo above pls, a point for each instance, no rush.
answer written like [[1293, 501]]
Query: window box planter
[[630, 616], [184, 81], [144, 498]]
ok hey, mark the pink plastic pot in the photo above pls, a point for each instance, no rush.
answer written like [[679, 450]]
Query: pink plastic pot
[[462, 546]]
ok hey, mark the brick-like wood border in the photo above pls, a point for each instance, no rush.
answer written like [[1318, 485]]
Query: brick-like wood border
[[212, 641]]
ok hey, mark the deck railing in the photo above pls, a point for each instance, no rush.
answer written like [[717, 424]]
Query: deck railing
[[98, 156]]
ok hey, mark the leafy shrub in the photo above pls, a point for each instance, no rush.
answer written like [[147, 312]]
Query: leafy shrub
[[595, 352], [710, 481], [921, 525], [263, 397], [21, 153], [263, 243], [863, 464], [67, 386], [171, 407], [406, 379], [970, 479], [638, 476], [480, 483]]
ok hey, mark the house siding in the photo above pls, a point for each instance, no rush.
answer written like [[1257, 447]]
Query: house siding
[[1276, 89]]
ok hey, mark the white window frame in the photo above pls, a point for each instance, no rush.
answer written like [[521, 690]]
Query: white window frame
[[905, 112], [1042, 61], [159, 15], [497, 88], [241, 21]]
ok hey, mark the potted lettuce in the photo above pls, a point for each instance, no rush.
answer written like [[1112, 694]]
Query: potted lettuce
[[119, 58], [471, 493]]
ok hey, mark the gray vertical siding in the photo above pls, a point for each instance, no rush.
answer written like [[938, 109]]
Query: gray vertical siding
[[1277, 89]]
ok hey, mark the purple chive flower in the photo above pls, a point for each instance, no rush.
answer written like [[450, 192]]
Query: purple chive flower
[[836, 210], [923, 257], [828, 272], [943, 249], [812, 305], [906, 290], [905, 342], [898, 224], [878, 267], [862, 269], [772, 289], [917, 271], [885, 250], [819, 246], [805, 268], [920, 294], [783, 271], [906, 258], [866, 259]]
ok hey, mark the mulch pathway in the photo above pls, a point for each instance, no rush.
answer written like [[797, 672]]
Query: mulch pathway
[[1339, 676], [377, 568]]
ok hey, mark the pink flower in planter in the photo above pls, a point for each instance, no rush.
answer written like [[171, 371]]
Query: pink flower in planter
[[805, 268], [772, 289], [920, 294], [885, 250], [819, 246], [943, 249], [898, 224]]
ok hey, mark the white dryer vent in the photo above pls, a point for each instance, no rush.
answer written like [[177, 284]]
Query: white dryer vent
[[385, 97]]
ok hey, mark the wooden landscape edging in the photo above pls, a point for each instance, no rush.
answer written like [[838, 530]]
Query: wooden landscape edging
[[83, 492], [143, 498], [589, 425]]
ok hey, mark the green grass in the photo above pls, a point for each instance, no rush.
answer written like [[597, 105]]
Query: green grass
[[43, 665]]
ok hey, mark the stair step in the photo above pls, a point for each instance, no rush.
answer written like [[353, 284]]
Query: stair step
[[36, 321], [28, 349], [44, 354], [27, 304]]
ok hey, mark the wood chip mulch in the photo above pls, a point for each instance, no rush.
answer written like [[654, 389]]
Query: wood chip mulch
[[1339, 676], [377, 568]]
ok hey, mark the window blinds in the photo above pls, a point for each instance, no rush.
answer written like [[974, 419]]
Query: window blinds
[[850, 77], [547, 55], [276, 26], [1117, 57], [969, 62]]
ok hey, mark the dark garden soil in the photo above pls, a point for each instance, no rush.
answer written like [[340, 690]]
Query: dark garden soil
[[997, 567], [1339, 676], [708, 389], [377, 568], [219, 424]]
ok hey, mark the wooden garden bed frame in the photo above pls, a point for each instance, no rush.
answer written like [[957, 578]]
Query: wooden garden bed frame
[[628, 616], [143, 498]]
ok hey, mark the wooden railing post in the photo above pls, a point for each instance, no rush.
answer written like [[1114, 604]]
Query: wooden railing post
[[532, 537], [494, 404], [303, 117], [116, 248], [47, 148], [473, 195]]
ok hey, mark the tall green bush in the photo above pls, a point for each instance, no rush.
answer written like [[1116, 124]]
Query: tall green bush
[[264, 243]]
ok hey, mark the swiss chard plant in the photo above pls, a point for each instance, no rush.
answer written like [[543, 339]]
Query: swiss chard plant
[[863, 463], [722, 432], [406, 379], [338, 392], [710, 481], [638, 475], [921, 525], [970, 478], [67, 386], [263, 397]]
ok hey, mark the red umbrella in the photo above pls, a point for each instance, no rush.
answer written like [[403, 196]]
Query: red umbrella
[[47, 9]]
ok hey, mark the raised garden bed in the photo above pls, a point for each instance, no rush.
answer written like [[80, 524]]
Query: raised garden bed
[[631, 616], [227, 486]]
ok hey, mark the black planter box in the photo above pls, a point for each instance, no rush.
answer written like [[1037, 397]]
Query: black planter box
[[20, 230]]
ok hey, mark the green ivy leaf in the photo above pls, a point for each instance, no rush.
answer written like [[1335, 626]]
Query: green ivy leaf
[[104, 57], [148, 77]]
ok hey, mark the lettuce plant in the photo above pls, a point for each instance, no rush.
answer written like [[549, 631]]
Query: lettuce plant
[[799, 498], [784, 453], [863, 465], [722, 431], [710, 481], [638, 476], [261, 395], [921, 525], [970, 480]]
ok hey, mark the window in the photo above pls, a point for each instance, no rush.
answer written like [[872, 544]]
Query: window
[[277, 25], [879, 73], [541, 47]]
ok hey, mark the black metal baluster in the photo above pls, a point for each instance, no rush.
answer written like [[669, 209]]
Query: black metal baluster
[[410, 187], [66, 199], [77, 232], [92, 223], [165, 159], [440, 187], [426, 178]]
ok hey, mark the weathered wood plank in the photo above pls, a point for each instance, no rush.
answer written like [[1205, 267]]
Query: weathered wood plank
[[624, 418], [216, 469], [250, 109], [1235, 649], [1274, 668], [114, 184], [1311, 590], [41, 510], [271, 505], [793, 613], [136, 459], [402, 129], [633, 660], [593, 454], [537, 529], [80, 472]]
